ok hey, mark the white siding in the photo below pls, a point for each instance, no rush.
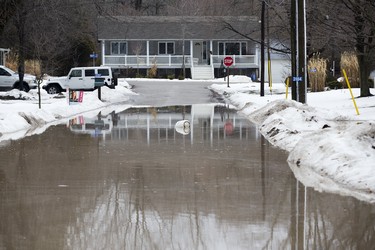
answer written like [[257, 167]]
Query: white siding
[[280, 69]]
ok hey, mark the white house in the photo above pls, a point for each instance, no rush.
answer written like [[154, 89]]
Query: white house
[[195, 45]]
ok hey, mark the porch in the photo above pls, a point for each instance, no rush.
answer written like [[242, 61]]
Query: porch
[[196, 55]]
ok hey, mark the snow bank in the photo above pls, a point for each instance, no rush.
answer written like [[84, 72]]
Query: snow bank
[[331, 149], [22, 118]]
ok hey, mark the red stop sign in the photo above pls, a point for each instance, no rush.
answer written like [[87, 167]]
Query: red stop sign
[[228, 61]]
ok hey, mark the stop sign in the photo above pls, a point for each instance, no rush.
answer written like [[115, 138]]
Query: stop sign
[[228, 61]]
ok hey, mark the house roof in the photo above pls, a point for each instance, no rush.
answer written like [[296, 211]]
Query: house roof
[[176, 27]]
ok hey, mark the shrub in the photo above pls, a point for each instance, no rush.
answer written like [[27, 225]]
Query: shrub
[[332, 83], [170, 77], [153, 71]]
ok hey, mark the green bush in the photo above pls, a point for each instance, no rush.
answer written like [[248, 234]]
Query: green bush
[[170, 77], [332, 83]]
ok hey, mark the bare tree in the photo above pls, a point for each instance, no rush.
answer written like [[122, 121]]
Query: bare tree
[[211, 7], [65, 28], [20, 20], [348, 25], [7, 10]]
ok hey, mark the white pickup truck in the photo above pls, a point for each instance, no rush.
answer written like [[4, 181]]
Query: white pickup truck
[[81, 78]]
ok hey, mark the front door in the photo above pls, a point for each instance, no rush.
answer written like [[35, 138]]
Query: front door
[[200, 52]]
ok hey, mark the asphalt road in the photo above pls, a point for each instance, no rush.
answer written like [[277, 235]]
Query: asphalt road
[[169, 93]]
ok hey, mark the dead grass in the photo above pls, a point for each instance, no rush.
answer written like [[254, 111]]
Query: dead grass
[[349, 62], [317, 68], [32, 67], [153, 71]]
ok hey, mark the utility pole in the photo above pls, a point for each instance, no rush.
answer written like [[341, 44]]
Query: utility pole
[[293, 47], [298, 47], [302, 88], [262, 67]]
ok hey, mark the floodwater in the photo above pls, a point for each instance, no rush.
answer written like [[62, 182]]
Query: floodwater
[[130, 180]]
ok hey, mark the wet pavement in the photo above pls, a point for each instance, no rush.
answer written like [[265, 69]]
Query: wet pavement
[[130, 180]]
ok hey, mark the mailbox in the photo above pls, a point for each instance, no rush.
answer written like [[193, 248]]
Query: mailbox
[[99, 82]]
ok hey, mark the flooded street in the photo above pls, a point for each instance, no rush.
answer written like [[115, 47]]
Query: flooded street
[[130, 180]]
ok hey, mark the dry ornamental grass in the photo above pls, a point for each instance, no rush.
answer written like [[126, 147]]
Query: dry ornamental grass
[[317, 68], [349, 63], [32, 67], [152, 72]]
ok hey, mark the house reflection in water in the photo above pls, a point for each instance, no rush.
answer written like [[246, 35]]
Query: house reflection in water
[[208, 122]]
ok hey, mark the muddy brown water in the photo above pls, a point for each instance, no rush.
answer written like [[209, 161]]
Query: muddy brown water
[[131, 181]]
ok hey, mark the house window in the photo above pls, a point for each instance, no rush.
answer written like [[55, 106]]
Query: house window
[[166, 48], [232, 48], [243, 48], [118, 48]]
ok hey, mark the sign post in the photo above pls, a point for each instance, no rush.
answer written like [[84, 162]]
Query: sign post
[[228, 61], [93, 56]]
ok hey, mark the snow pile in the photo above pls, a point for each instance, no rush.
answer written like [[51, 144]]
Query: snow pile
[[22, 118], [345, 155], [331, 148]]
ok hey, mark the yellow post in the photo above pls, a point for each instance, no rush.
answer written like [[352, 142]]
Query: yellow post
[[350, 89], [287, 87]]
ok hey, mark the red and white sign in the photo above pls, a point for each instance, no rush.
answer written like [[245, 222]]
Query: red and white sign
[[228, 61]]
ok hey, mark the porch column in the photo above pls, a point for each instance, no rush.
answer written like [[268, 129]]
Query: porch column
[[211, 52], [148, 52], [191, 52], [256, 58], [103, 51]]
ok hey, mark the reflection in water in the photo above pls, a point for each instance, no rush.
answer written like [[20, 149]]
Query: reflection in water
[[95, 126], [130, 181]]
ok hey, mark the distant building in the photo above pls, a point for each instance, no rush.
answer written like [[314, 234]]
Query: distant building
[[3, 53], [280, 65]]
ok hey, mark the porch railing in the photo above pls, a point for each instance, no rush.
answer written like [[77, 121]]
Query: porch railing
[[171, 61], [143, 60]]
